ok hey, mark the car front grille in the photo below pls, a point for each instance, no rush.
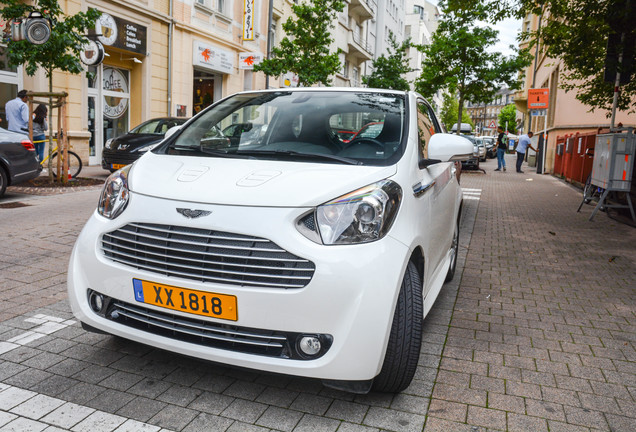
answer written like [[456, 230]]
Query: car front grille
[[206, 256], [119, 157], [271, 343]]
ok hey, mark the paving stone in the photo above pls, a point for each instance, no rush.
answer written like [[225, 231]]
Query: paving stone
[[208, 422], [586, 417], [489, 418], [311, 404], [37, 407], [279, 419], [311, 423], [448, 410], [173, 417], [347, 411], [68, 415], [524, 423], [244, 411]]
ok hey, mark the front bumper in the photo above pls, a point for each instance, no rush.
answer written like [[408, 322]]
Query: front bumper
[[351, 296]]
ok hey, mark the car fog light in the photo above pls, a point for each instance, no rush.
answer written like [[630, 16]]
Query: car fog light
[[96, 302], [309, 345]]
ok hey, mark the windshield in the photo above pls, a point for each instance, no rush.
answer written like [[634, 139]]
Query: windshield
[[157, 126], [362, 128]]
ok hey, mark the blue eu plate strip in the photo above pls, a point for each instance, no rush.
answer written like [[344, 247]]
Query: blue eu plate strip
[[139, 291]]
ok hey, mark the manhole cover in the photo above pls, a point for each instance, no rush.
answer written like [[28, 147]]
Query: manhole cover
[[16, 204]]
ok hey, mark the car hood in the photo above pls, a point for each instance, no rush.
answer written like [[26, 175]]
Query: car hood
[[131, 142], [249, 182]]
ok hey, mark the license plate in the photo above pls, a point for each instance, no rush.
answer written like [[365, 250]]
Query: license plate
[[117, 166], [204, 303]]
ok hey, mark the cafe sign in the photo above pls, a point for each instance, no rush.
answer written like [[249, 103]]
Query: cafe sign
[[115, 82], [120, 33]]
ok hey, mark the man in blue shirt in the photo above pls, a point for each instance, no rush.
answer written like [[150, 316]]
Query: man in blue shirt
[[524, 143], [17, 113]]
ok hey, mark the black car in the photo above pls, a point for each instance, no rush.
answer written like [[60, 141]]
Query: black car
[[125, 149], [473, 162], [18, 161]]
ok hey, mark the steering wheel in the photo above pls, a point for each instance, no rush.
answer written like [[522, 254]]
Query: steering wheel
[[377, 144]]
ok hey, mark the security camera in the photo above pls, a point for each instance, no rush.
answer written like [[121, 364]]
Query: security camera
[[35, 28]]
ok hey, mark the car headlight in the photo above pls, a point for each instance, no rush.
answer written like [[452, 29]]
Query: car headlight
[[362, 216], [108, 143], [115, 195]]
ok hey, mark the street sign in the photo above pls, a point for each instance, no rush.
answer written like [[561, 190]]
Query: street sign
[[538, 112], [492, 124], [538, 98]]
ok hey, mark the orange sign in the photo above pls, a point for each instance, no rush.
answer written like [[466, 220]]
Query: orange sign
[[538, 98]]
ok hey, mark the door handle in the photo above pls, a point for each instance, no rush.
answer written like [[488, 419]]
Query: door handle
[[419, 189]]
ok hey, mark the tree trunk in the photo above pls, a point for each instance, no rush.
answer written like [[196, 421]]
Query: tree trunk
[[460, 110], [50, 163]]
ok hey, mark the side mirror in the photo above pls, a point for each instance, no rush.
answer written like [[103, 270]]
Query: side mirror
[[171, 131], [449, 147]]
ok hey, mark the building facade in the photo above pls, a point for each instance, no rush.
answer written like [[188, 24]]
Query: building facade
[[485, 116], [565, 114], [420, 24]]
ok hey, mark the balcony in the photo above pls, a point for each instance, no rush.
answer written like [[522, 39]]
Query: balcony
[[359, 48], [362, 9]]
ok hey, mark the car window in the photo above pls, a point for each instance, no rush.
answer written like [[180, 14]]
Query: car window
[[283, 124], [149, 127]]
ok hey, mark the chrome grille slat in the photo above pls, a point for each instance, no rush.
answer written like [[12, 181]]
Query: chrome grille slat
[[206, 256], [211, 270], [254, 239], [207, 279], [193, 332], [193, 243], [202, 253], [201, 327], [200, 260]]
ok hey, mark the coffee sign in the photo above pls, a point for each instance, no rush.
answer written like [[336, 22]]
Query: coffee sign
[[115, 82], [120, 33]]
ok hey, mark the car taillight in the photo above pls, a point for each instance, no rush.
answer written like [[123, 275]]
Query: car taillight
[[28, 145]]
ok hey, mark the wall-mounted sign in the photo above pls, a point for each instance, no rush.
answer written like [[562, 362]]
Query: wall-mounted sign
[[115, 81], [248, 60], [93, 53], [248, 20], [538, 98], [289, 80], [213, 58], [120, 33]]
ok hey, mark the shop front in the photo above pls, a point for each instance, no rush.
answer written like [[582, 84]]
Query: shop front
[[114, 85], [210, 65], [10, 84]]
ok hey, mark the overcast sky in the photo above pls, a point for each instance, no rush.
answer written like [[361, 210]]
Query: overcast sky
[[508, 30]]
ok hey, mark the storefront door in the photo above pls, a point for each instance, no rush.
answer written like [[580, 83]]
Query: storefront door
[[108, 107], [10, 83]]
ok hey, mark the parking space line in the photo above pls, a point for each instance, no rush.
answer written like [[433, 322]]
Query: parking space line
[[48, 325]]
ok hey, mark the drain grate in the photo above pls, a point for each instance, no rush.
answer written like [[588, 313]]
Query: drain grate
[[16, 204]]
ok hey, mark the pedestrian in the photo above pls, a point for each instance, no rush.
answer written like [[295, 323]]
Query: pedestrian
[[524, 143], [39, 128], [501, 149], [17, 113]]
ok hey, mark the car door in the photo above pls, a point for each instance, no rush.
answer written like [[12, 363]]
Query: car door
[[436, 194]]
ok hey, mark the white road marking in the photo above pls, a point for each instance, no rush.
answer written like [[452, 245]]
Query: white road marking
[[48, 325]]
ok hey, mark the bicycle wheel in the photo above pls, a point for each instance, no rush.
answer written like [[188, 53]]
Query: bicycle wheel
[[74, 164], [588, 189]]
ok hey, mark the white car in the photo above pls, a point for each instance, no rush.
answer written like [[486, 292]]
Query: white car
[[296, 253]]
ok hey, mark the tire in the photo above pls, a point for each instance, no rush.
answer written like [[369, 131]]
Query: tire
[[588, 190], [455, 252], [4, 181], [405, 339], [74, 164]]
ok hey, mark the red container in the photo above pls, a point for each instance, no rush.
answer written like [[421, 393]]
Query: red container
[[558, 157]]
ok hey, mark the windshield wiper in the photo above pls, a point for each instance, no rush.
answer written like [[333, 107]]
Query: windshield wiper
[[295, 154]]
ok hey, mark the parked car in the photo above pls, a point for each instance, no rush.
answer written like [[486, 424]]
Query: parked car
[[491, 147], [125, 149], [297, 254], [473, 161], [482, 149], [18, 161]]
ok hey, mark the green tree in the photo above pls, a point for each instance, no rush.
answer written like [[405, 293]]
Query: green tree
[[508, 118], [457, 59], [566, 34], [305, 48], [450, 112], [60, 52], [388, 72]]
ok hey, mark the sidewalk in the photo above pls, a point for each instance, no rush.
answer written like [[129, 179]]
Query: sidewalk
[[543, 331]]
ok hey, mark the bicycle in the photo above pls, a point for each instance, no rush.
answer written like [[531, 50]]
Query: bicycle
[[74, 161]]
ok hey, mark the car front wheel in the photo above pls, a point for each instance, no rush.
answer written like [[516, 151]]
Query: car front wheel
[[4, 181], [405, 340]]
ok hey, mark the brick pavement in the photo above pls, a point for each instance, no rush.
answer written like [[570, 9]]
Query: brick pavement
[[536, 334]]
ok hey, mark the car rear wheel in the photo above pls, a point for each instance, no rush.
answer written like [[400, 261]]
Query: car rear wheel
[[405, 340], [4, 180]]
